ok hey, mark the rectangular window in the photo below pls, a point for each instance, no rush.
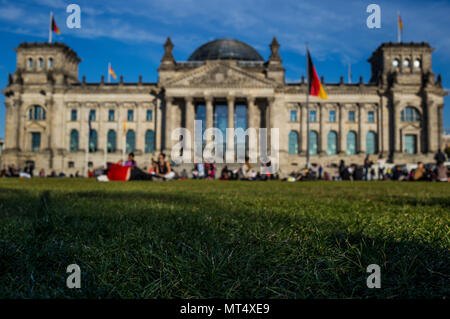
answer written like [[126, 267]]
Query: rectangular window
[[410, 144], [149, 115], [293, 117], [332, 117], [351, 116], [73, 115], [130, 115], [71, 164], [312, 116], [371, 116], [35, 142], [111, 115], [92, 115]]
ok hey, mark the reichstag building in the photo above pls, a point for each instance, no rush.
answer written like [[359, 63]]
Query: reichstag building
[[224, 83]]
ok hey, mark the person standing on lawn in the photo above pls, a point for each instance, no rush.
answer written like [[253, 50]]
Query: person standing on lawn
[[381, 162], [367, 165]]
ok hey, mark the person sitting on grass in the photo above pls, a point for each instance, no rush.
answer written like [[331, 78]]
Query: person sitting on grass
[[419, 172], [247, 170], [131, 161], [442, 173], [163, 168]]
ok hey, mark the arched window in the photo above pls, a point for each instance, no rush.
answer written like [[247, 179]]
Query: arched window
[[410, 114], [131, 138], [313, 138], [395, 63], [41, 63], [417, 63], [37, 113], [149, 141], [371, 143], [93, 141], [30, 63], [332, 143], [406, 63], [351, 143], [73, 141], [111, 143], [50, 63], [293, 142]]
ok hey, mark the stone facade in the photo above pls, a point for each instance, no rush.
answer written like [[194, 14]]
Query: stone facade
[[398, 113]]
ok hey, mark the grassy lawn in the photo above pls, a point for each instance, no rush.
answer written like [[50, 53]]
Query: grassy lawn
[[203, 239]]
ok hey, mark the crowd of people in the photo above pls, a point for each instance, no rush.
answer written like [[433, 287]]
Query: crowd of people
[[379, 170], [162, 170]]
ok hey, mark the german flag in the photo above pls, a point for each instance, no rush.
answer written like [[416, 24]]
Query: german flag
[[55, 27], [111, 72], [315, 88], [400, 22]]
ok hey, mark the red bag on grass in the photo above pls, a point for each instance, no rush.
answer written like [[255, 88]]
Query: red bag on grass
[[117, 172]]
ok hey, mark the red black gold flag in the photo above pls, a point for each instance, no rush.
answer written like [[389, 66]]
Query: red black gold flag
[[55, 27], [315, 88]]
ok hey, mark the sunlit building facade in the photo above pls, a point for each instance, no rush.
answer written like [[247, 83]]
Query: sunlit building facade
[[53, 118]]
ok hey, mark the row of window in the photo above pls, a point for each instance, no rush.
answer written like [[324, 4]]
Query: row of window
[[111, 142], [332, 116], [111, 115], [332, 142], [407, 63], [371, 142], [409, 114], [40, 63]]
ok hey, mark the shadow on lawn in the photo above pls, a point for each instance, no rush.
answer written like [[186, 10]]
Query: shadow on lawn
[[443, 202], [261, 265]]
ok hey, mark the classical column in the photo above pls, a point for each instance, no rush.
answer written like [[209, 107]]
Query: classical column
[[169, 121], [102, 118], [190, 118], [158, 124], [84, 128], [303, 128], [230, 137], [342, 135], [396, 137], [268, 124], [322, 132], [385, 124], [10, 129], [20, 119], [360, 138], [252, 115], [209, 112], [433, 127], [140, 135]]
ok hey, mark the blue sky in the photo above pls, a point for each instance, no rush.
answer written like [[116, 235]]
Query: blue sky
[[130, 33]]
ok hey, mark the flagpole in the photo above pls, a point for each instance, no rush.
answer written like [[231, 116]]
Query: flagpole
[[105, 160], [307, 108], [124, 141], [349, 73], [86, 155], [50, 28], [109, 73], [399, 32]]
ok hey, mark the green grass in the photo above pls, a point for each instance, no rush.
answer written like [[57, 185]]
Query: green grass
[[204, 239]]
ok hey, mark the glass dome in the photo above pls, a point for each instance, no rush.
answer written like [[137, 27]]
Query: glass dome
[[225, 49]]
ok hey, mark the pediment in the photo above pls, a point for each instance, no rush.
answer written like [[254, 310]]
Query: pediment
[[219, 75], [411, 127], [35, 125]]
